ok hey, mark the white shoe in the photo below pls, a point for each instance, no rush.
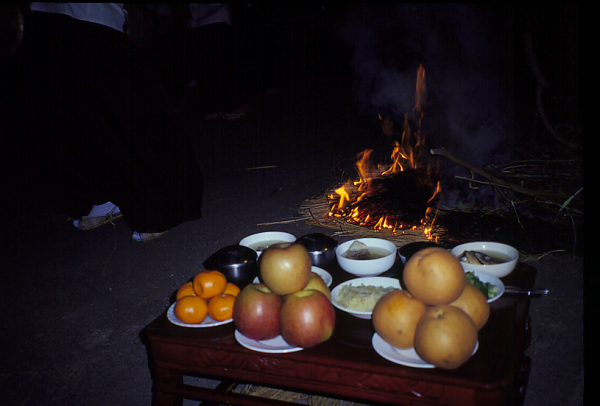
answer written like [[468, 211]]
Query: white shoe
[[100, 215], [144, 237]]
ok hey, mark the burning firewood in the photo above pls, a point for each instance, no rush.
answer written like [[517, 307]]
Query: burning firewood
[[400, 199]]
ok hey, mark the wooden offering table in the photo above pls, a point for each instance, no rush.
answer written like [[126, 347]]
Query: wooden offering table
[[347, 366]]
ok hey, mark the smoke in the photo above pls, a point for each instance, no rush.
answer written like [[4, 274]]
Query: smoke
[[464, 51]]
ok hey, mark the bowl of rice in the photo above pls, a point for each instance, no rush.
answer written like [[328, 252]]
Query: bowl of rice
[[359, 296]]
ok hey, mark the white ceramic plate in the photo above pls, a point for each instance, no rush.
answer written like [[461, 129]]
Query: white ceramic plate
[[207, 322], [367, 281], [327, 278], [486, 277], [275, 345], [407, 358]]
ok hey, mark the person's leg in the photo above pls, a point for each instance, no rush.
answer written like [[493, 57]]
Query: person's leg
[[107, 130], [160, 184], [58, 124]]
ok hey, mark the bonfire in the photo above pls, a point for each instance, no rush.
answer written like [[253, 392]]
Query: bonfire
[[397, 201], [394, 199]]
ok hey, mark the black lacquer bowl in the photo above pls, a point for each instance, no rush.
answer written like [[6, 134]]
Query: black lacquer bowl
[[320, 247], [236, 262]]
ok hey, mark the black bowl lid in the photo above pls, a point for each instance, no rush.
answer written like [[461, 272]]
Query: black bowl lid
[[317, 242], [230, 255]]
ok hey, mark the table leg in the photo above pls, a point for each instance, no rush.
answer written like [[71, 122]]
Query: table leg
[[521, 380], [166, 379], [222, 387]]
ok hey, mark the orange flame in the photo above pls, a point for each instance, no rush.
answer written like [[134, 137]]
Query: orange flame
[[343, 196], [408, 153]]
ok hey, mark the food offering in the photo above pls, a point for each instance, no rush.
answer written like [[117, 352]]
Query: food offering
[[436, 320], [434, 276], [366, 256], [445, 336], [256, 312], [360, 251], [472, 302], [307, 318], [488, 289], [359, 296], [482, 258], [316, 282], [206, 301], [261, 241], [285, 268], [488, 257], [290, 310], [395, 318]]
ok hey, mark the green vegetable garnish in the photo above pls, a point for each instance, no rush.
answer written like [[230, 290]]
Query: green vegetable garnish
[[488, 290]]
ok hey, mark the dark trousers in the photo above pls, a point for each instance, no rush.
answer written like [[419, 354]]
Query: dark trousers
[[103, 127]]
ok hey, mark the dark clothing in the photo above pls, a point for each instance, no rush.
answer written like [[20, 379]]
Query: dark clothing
[[213, 65], [104, 126]]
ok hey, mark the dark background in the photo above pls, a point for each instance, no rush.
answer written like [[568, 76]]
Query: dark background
[[75, 303]]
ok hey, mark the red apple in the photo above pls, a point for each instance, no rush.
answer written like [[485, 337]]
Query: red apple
[[307, 318], [317, 283], [285, 268], [256, 312]]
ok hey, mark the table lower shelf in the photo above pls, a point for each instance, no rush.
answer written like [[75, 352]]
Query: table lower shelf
[[227, 392], [334, 382]]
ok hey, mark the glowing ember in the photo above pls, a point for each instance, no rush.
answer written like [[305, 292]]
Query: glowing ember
[[377, 199]]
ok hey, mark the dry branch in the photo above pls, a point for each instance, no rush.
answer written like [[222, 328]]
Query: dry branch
[[494, 179]]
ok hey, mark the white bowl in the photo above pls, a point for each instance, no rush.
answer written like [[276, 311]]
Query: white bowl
[[326, 276], [258, 242], [369, 281], [367, 267], [489, 248], [484, 277]]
